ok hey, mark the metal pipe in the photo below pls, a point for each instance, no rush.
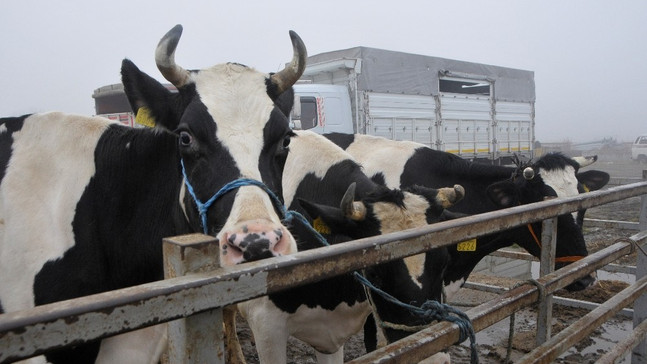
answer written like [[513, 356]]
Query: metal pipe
[[623, 347], [562, 301], [433, 339], [566, 338], [547, 266]]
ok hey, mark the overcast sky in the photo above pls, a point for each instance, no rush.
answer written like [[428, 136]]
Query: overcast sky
[[589, 57]]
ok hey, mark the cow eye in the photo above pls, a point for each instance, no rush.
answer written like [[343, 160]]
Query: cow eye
[[286, 141], [185, 139]]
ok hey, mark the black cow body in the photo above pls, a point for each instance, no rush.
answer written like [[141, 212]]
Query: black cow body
[[85, 202], [487, 188]]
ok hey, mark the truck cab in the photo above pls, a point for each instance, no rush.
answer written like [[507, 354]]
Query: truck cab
[[322, 109]]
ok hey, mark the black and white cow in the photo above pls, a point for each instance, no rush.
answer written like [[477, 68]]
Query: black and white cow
[[325, 314], [85, 202], [487, 188]]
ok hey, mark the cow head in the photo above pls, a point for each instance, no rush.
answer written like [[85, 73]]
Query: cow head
[[553, 175], [230, 122], [383, 210]]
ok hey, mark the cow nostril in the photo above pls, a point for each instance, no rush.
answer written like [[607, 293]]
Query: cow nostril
[[231, 243], [279, 234]]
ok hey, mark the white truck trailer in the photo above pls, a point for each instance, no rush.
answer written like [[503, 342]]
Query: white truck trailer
[[477, 111]]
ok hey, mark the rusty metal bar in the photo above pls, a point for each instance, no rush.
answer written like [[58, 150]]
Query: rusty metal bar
[[431, 340], [198, 338], [503, 253], [27, 333], [618, 268], [627, 313], [611, 224], [566, 338], [623, 347], [562, 301], [547, 266]]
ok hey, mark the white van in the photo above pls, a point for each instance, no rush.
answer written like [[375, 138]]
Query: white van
[[639, 149]]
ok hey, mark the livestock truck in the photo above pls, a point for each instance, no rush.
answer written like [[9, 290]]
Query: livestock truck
[[477, 111]]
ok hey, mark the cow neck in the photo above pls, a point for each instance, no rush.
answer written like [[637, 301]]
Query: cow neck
[[566, 259]]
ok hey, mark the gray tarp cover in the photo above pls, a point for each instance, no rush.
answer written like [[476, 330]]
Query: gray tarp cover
[[397, 72]]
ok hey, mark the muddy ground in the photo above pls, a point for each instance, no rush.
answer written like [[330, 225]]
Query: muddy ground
[[492, 342]]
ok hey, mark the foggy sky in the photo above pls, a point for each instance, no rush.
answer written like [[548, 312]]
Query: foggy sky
[[589, 57]]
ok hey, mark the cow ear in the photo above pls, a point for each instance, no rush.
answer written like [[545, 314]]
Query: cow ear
[[323, 217], [285, 101], [592, 180], [504, 194], [143, 92]]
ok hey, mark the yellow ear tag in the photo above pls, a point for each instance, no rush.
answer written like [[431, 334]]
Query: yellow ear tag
[[320, 226], [585, 188], [144, 117], [466, 246]]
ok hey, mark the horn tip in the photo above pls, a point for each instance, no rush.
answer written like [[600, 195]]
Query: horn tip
[[460, 191]]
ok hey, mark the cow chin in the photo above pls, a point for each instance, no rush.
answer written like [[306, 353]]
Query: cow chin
[[255, 240]]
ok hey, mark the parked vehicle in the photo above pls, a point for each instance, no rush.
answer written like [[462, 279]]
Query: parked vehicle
[[478, 111], [639, 149]]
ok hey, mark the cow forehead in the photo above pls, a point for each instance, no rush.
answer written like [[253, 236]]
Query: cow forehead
[[562, 180], [395, 218], [237, 100]]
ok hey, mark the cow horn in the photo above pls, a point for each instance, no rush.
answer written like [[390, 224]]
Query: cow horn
[[285, 78], [585, 161], [352, 209], [448, 196], [528, 173], [165, 58]]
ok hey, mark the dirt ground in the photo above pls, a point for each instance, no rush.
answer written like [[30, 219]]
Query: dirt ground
[[492, 342]]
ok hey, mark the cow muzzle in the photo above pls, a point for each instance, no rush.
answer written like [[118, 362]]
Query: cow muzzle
[[255, 240]]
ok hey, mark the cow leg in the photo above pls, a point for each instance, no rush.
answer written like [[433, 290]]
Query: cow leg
[[141, 346], [269, 327], [334, 358], [233, 351]]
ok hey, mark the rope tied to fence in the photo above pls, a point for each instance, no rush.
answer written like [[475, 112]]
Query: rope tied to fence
[[634, 245], [429, 311]]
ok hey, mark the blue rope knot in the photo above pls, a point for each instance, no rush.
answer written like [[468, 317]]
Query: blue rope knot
[[433, 310]]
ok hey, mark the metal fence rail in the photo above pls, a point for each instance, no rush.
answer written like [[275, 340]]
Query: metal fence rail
[[31, 332], [437, 337]]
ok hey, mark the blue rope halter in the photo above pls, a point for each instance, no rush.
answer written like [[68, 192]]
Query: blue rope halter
[[430, 310], [288, 215]]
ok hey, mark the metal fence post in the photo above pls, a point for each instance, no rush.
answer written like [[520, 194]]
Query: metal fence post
[[547, 265], [198, 338], [639, 353]]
